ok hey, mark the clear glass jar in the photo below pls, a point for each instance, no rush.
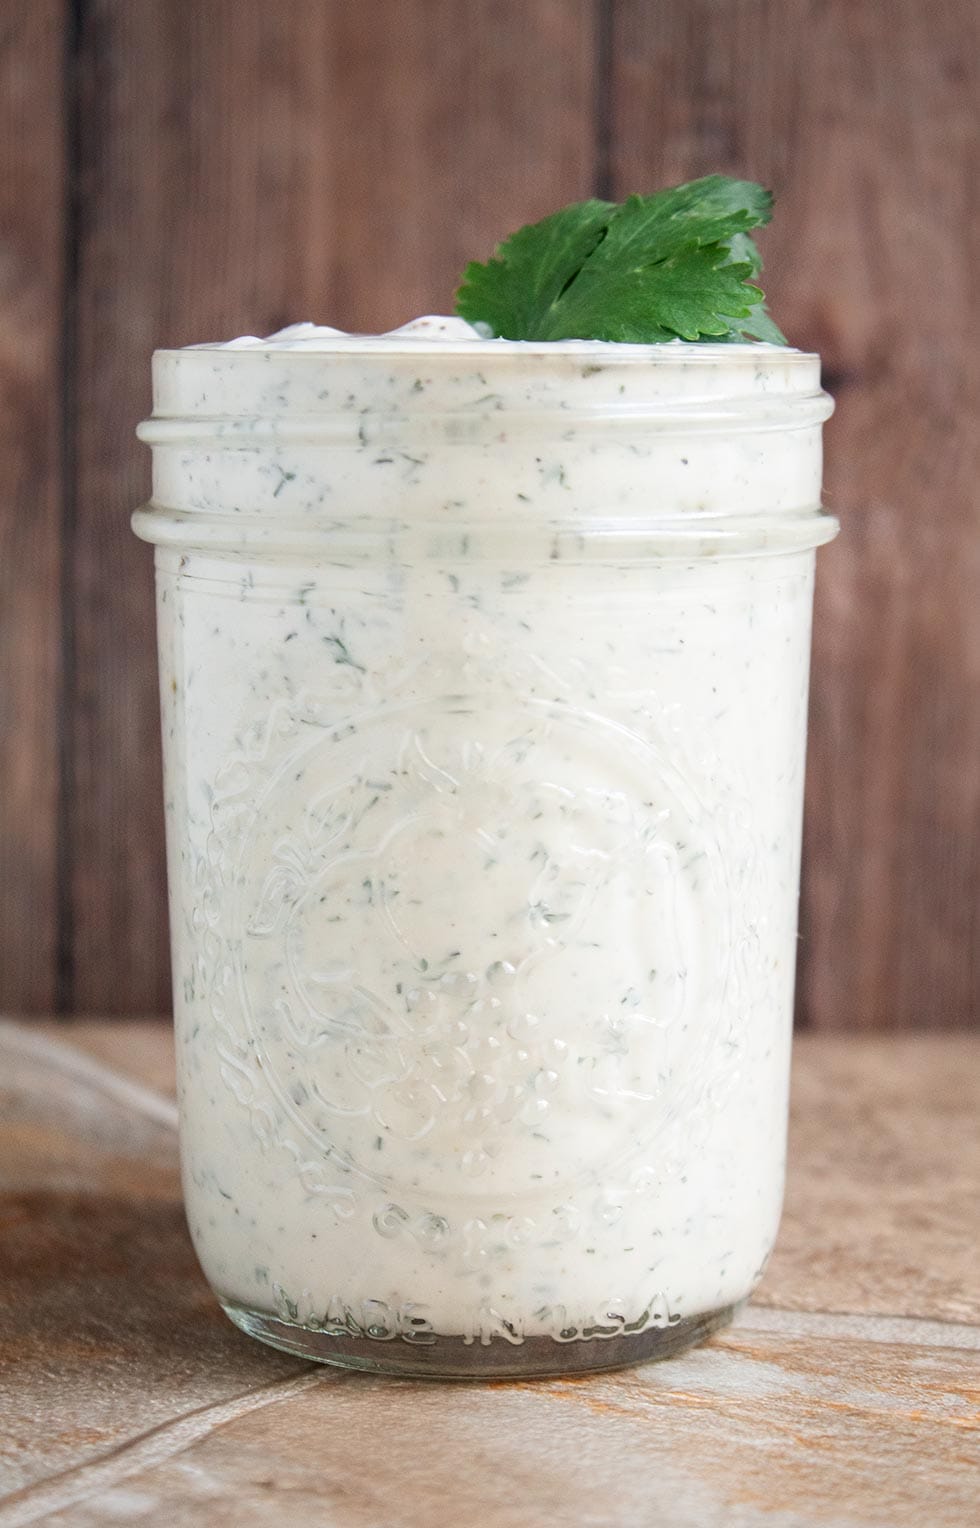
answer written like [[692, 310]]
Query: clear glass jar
[[484, 676]]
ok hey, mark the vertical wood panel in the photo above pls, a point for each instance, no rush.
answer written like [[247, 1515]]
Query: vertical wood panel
[[245, 165], [863, 118], [31, 245], [451, 125], [196, 167]]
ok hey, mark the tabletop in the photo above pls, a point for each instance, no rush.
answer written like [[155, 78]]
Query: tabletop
[[845, 1395]]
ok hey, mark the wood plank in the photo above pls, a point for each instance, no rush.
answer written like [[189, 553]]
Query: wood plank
[[194, 164], [879, 1215], [125, 1396], [863, 118], [474, 128], [107, 1327], [246, 165], [32, 209], [141, 1048], [882, 1209], [766, 1428]]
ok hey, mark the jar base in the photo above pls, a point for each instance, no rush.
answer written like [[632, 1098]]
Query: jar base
[[455, 1358]]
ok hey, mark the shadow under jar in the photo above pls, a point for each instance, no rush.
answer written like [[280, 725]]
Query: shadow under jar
[[484, 675]]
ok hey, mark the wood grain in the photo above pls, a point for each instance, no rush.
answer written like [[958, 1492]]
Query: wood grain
[[141, 1048], [106, 1325], [246, 165], [125, 1396], [195, 166], [450, 128], [882, 1208], [882, 1212], [238, 165], [863, 119], [764, 1429], [31, 287]]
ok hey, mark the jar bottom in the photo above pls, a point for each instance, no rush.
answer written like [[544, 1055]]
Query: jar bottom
[[455, 1358]]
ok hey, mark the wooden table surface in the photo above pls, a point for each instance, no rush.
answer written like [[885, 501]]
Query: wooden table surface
[[847, 1394]]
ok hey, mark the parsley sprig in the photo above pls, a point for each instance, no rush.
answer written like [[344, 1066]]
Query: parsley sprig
[[680, 264]]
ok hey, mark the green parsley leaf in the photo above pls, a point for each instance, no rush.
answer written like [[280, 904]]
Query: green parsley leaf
[[744, 252], [678, 264], [530, 271]]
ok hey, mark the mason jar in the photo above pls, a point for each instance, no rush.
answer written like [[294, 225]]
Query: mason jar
[[484, 678]]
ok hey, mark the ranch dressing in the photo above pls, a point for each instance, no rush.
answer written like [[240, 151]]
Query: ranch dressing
[[484, 677]]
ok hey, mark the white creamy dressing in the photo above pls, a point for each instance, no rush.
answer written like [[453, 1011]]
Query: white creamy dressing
[[484, 776], [432, 327]]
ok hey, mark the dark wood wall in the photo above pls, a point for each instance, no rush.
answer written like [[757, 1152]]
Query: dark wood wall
[[178, 170]]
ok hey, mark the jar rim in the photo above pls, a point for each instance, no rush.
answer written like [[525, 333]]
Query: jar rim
[[405, 386], [665, 353]]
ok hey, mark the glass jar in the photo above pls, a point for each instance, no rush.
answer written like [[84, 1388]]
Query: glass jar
[[484, 676]]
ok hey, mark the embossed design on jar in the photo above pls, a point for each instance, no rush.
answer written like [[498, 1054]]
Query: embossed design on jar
[[373, 1019], [483, 1324]]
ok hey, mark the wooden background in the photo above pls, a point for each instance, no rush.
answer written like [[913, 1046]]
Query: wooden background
[[179, 170]]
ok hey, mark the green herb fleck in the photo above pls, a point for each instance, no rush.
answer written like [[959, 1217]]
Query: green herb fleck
[[341, 653]]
